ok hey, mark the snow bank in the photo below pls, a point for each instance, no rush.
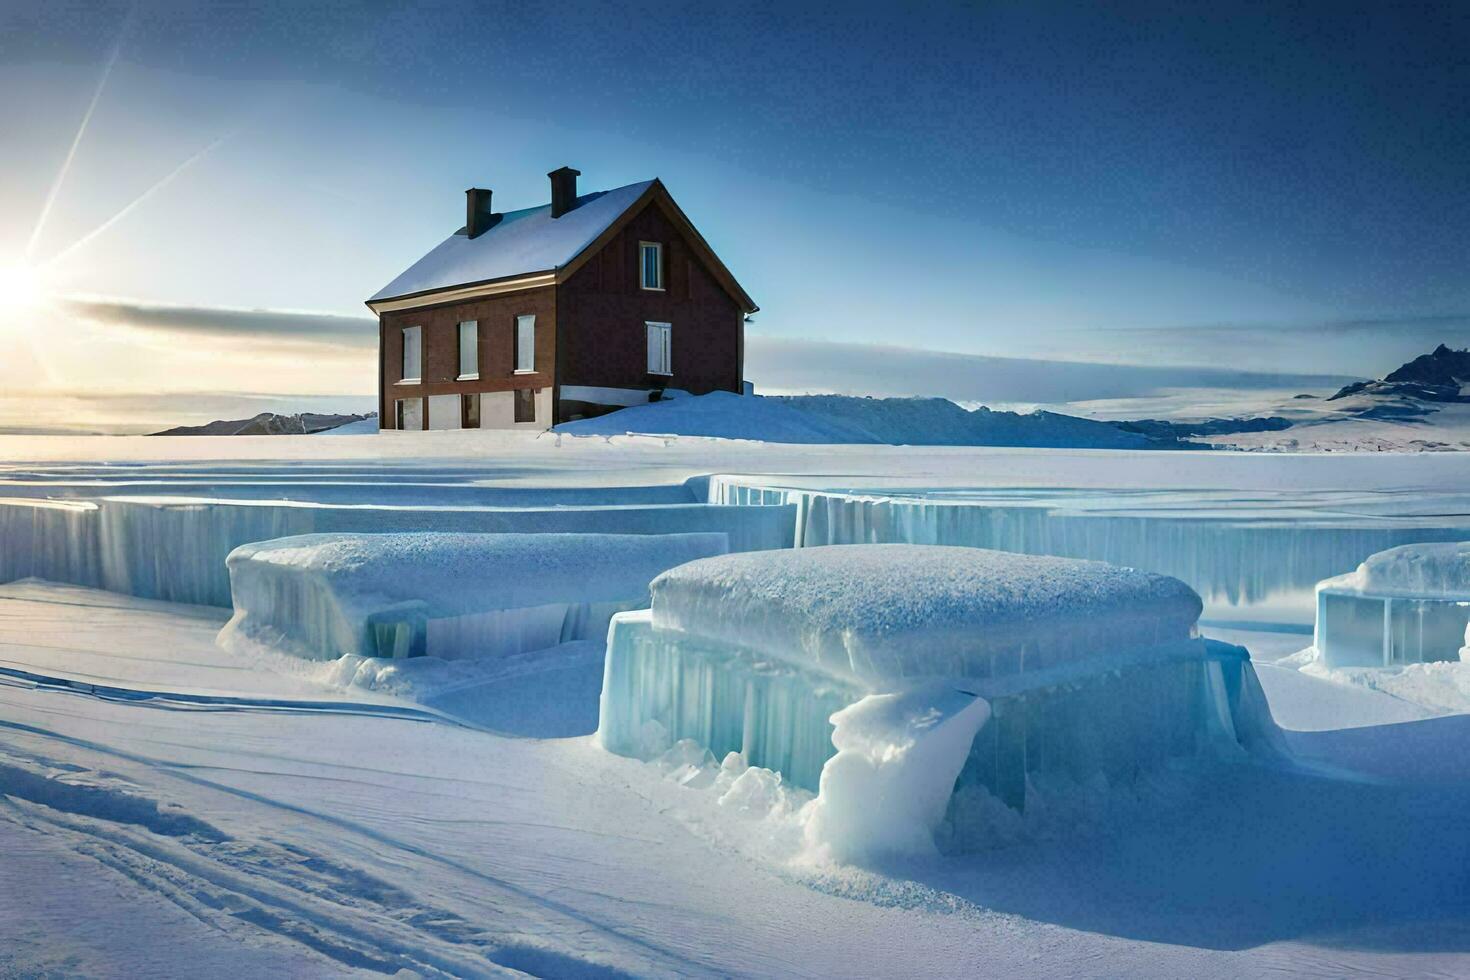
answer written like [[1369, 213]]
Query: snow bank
[[1406, 605], [449, 595], [844, 419], [940, 422], [1440, 688], [886, 790], [723, 415], [880, 613]]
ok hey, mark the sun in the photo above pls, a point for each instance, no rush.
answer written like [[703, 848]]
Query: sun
[[22, 287]]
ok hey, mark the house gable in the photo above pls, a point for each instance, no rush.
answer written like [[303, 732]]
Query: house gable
[[529, 249], [658, 196], [603, 312]]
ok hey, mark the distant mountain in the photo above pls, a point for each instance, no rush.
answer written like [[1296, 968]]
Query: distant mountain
[[267, 424], [1440, 376], [1166, 429], [1421, 405]]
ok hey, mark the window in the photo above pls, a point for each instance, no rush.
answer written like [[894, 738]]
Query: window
[[409, 414], [525, 405], [469, 412], [413, 355], [469, 351], [525, 344], [660, 348], [651, 265]]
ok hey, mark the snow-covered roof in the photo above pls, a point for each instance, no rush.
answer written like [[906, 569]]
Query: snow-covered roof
[[520, 243], [885, 611]]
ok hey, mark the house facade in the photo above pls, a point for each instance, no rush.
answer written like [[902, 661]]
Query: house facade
[[573, 309]]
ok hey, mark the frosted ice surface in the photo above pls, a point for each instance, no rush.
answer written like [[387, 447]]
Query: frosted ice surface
[[876, 613], [445, 594], [1437, 569]]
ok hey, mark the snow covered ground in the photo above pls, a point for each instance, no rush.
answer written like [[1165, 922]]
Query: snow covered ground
[[149, 836], [168, 809]]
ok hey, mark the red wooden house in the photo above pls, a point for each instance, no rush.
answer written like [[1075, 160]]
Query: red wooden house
[[568, 310]]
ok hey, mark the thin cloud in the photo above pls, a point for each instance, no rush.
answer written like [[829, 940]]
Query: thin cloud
[[229, 322], [1448, 328], [773, 364], [805, 365]]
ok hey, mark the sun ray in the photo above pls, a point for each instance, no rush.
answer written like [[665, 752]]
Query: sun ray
[[159, 185], [77, 139]]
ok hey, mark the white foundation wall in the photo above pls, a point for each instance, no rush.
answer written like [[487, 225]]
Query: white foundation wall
[[498, 410], [444, 412]]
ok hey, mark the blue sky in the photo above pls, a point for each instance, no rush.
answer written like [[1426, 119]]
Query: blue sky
[[1260, 187]]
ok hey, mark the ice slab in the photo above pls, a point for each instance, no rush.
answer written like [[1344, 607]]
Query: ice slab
[[1085, 668], [1252, 556], [1406, 605], [448, 595], [54, 540], [174, 547], [880, 613]]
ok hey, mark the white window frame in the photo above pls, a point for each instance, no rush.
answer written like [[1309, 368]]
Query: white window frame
[[664, 367], [525, 354], [658, 249], [473, 332], [417, 336]]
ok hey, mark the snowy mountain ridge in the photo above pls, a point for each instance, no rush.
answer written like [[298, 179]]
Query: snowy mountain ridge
[[1422, 405], [1440, 376], [268, 424]]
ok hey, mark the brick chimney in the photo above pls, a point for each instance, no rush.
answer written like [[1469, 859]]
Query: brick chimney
[[563, 190], [477, 214]]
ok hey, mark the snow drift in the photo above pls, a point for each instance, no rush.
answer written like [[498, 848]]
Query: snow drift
[[887, 788], [845, 419]]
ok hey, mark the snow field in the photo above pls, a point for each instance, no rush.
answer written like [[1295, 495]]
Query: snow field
[[369, 842]]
